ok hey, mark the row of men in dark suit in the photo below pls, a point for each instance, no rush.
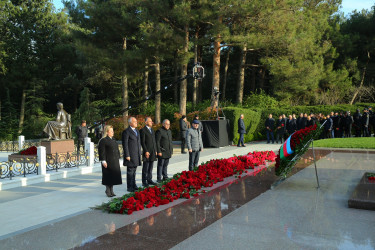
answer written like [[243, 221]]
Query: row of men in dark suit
[[155, 146], [144, 145], [336, 125]]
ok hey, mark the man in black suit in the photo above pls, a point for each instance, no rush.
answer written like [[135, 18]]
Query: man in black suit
[[357, 123], [241, 131], [183, 129], [280, 124], [291, 125], [365, 123], [82, 133], [164, 148], [270, 124], [149, 152], [131, 143]]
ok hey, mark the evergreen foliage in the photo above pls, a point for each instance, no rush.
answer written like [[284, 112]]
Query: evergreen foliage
[[93, 56]]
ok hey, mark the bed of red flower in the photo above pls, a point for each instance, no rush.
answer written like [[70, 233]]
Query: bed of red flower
[[29, 154], [189, 183]]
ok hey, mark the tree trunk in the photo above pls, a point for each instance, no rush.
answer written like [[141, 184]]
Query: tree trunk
[[183, 86], [195, 86], [262, 77], [176, 84], [200, 97], [241, 76], [145, 83], [157, 95], [253, 78], [362, 80], [22, 113], [224, 87], [216, 70], [125, 92]]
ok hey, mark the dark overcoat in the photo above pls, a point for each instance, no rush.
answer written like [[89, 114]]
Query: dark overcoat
[[131, 143], [148, 143], [291, 126], [270, 122], [108, 151], [183, 128], [280, 124], [164, 143], [241, 126]]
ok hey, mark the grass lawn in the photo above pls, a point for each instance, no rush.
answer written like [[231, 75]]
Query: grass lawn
[[362, 142]]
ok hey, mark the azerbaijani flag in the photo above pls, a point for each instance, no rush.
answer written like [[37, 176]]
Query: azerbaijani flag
[[285, 149]]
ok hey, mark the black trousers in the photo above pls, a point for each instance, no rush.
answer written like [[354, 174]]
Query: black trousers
[[241, 140], [193, 159], [183, 144], [147, 171], [162, 168], [348, 131], [130, 177], [79, 144], [280, 136], [365, 131]]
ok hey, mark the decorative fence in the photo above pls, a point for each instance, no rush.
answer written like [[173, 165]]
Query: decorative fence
[[9, 146], [27, 166], [12, 146]]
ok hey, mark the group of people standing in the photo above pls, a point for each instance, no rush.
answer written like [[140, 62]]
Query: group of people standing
[[144, 145], [336, 125]]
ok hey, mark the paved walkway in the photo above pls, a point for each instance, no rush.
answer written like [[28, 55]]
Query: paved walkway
[[26, 208], [297, 215], [294, 215]]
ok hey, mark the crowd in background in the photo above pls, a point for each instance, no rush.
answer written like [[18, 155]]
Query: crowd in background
[[335, 124]]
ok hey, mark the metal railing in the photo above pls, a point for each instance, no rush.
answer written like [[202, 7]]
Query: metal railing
[[54, 162], [10, 169]]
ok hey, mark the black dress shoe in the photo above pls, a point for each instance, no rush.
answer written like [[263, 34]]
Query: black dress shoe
[[130, 190], [165, 179], [238, 146], [145, 184], [135, 188], [150, 182], [243, 146], [159, 181]]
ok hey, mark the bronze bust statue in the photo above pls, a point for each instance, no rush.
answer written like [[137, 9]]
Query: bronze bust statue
[[62, 127]]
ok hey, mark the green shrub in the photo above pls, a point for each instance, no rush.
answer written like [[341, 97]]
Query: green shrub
[[260, 100], [252, 119], [256, 117]]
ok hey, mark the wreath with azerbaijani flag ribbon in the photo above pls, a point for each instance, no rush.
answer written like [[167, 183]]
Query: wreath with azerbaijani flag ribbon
[[296, 145]]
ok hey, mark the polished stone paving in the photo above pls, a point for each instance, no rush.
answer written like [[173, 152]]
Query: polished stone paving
[[293, 215], [297, 215], [43, 207]]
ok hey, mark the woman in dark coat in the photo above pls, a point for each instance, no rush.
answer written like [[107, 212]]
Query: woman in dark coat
[[109, 156]]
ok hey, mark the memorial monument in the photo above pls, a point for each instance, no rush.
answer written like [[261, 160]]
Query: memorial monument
[[59, 133], [62, 127]]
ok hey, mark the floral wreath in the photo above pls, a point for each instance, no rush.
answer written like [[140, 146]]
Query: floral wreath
[[294, 147]]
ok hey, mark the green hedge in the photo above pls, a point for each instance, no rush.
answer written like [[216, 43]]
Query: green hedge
[[255, 118], [252, 119]]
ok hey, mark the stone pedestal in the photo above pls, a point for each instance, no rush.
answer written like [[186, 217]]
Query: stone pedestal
[[363, 196], [58, 146], [42, 160]]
